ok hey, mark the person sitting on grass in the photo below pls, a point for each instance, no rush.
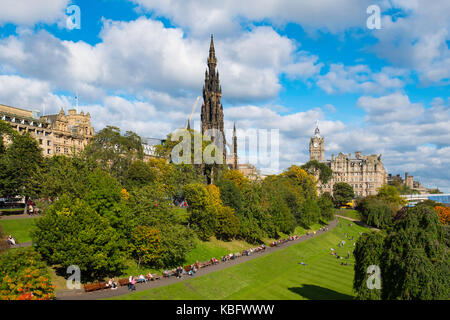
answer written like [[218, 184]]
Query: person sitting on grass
[[166, 274], [149, 276], [11, 240]]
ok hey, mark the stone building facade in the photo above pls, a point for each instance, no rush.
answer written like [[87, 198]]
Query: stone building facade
[[71, 132], [365, 173], [58, 134]]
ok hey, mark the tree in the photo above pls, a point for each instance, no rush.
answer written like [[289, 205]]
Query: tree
[[304, 182], [20, 165], [326, 206], [228, 224], [145, 245], [391, 195], [114, 152], [24, 276], [342, 193], [414, 263], [435, 191], [152, 208], [139, 174], [376, 212], [237, 177], [63, 175], [368, 250], [443, 214], [72, 233], [309, 213], [320, 169], [230, 194]]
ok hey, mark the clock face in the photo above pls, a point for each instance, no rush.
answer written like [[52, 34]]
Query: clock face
[[315, 145]]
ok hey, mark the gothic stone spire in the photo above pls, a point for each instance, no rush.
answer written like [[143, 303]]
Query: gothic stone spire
[[212, 109]]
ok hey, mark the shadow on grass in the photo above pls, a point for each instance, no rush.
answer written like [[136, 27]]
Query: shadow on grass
[[313, 292]]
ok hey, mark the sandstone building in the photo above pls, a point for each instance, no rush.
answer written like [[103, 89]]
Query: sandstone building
[[58, 134], [364, 173]]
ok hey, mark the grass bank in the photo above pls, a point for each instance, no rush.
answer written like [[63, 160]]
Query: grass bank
[[275, 276]]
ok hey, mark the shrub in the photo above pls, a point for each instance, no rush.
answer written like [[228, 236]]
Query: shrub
[[24, 276]]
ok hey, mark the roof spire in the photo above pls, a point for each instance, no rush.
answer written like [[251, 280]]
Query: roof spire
[[189, 125], [212, 61]]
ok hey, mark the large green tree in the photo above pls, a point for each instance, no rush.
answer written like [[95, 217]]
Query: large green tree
[[414, 263], [71, 232], [368, 250], [20, 165], [320, 169], [342, 193], [114, 152]]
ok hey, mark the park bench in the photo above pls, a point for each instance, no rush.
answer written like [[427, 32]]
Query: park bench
[[92, 287], [124, 282], [155, 277]]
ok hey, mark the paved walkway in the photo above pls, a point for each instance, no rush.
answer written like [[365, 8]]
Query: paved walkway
[[18, 216], [107, 293]]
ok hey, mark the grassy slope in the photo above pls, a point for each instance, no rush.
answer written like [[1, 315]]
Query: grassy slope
[[275, 276], [19, 229], [348, 213]]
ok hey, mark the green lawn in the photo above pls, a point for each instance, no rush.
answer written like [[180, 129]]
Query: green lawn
[[354, 214], [18, 228], [275, 276]]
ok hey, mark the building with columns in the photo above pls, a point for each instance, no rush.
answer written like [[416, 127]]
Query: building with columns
[[365, 173]]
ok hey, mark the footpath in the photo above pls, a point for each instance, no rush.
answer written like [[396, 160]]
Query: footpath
[[79, 294]]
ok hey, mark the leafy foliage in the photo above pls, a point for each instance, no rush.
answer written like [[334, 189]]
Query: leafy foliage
[[315, 167], [368, 250], [71, 232], [24, 276], [443, 214], [145, 245], [115, 152], [342, 193]]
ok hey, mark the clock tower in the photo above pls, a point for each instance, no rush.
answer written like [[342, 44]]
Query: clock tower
[[317, 146]]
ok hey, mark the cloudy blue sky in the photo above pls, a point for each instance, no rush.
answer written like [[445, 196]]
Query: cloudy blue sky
[[139, 65]]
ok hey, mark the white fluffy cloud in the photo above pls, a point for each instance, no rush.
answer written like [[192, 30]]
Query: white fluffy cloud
[[29, 12], [139, 55], [360, 78], [226, 17], [29, 94], [417, 39]]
